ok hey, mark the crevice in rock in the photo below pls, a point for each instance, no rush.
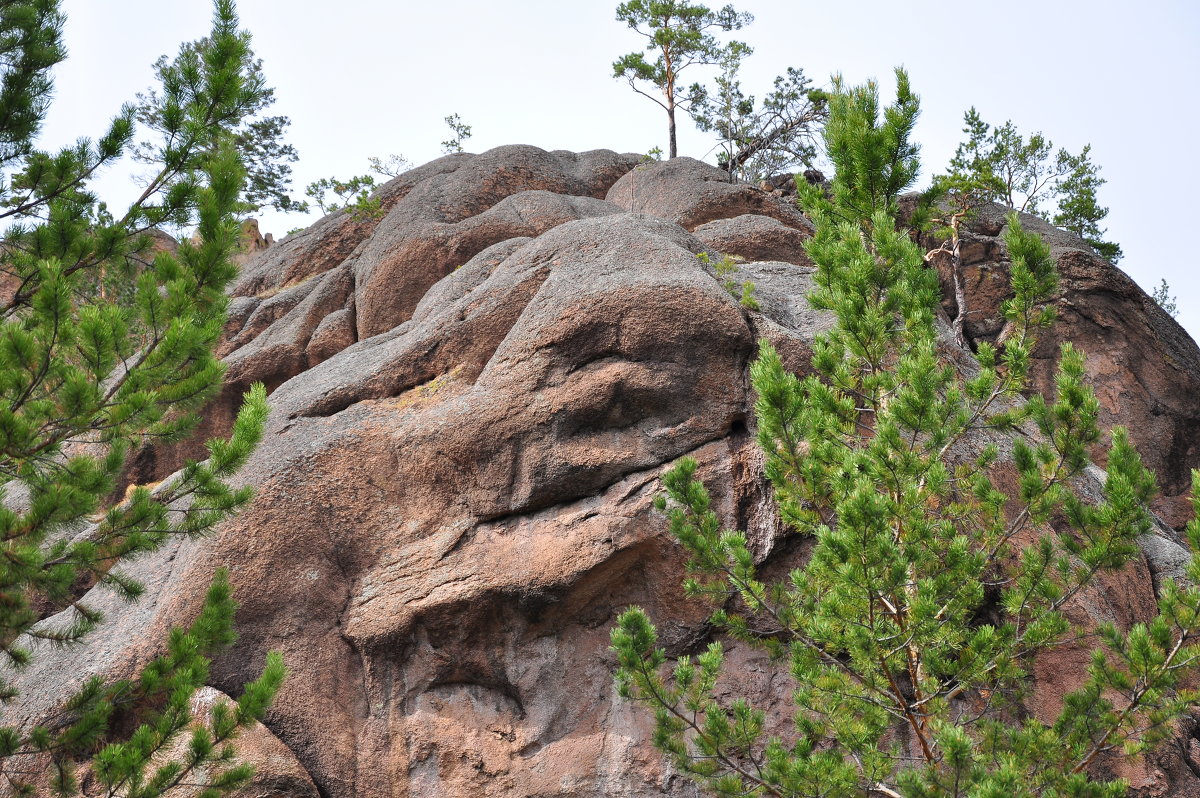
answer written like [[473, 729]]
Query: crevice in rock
[[329, 407], [649, 472], [463, 538], [1185, 754]]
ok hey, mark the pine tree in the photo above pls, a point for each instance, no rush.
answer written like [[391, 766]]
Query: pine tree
[[948, 204], [758, 141], [680, 36], [1078, 210], [461, 132], [726, 111], [1028, 175], [87, 374], [1162, 295], [393, 165], [266, 156], [911, 630], [353, 194]]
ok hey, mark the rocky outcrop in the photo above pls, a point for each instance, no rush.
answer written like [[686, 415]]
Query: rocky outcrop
[[435, 219], [1144, 367], [350, 277], [252, 242], [473, 399]]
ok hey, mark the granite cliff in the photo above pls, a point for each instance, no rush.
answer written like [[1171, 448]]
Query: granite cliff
[[474, 395]]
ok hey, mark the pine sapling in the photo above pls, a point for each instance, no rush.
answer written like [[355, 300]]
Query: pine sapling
[[911, 630]]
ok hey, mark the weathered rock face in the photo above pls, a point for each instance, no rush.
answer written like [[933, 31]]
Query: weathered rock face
[[1143, 365], [474, 397]]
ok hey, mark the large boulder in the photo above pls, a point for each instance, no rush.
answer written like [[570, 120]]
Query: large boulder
[[691, 193], [372, 270], [444, 222], [350, 277], [753, 237]]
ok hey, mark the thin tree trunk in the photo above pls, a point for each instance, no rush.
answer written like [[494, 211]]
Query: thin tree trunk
[[960, 291], [958, 323], [669, 93], [673, 150]]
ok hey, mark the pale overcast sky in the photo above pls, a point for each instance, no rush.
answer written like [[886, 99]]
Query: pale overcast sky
[[362, 77]]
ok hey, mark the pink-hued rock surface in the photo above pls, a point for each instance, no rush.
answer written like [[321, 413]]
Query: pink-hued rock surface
[[474, 396]]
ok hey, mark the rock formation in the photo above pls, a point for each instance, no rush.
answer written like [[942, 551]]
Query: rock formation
[[473, 398]]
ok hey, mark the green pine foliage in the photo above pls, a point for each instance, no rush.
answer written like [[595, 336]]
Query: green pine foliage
[[725, 269], [157, 706], [460, 131], [679, 35], [727, 110], [105, 346], [1029, 175], [758, 141], [353, 196], [1078, 210], [1165, 299], [266, 156], [911, 630]]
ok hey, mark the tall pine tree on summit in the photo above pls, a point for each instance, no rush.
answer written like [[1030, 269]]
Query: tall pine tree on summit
[[106, 344], [910, 631], [680, 35]]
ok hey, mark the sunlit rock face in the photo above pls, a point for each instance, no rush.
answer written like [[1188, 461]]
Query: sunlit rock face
[[474, 395]]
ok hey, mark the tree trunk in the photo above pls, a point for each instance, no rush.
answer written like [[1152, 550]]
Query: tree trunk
[[672, 149], [669, 94], [958, 326]]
